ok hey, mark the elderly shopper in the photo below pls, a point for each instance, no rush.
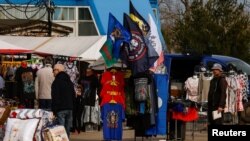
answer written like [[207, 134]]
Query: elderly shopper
[[44, 79], [63, 94]]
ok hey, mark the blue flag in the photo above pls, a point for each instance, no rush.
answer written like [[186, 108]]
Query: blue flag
[[118, 34]]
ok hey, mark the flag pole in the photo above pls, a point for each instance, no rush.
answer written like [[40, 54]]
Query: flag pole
[[122, 64]]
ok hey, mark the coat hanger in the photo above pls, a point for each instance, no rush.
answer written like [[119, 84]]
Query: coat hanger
[[112, 101], [208, 74], [112, 93], [113, 70]]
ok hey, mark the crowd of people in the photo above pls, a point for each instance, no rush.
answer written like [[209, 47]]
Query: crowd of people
[[50, 88]]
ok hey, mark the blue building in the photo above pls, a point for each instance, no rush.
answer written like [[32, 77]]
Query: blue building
[[86, 17]]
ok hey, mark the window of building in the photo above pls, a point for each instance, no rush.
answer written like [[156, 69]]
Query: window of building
[[64, 13], [86, 23], [80, 17]]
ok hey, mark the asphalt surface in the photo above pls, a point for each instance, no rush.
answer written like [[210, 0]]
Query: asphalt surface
[[128, 135]]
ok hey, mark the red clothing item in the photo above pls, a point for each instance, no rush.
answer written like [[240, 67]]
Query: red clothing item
[[112, 88], [190, 115]]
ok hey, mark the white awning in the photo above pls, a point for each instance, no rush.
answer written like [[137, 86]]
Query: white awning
[[26, 42], [100, 64], [7, 48], [86, 47], [92, 53]]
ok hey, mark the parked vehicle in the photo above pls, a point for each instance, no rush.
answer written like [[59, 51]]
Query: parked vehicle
[[182, 66]]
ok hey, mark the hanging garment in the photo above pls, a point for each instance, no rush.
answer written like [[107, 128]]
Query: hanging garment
[[191, 114], [91, 114], [112, 88], [72, 71], [239, 94], [160, 127], [243, 79], [205, 84], [129, 92], [191, 87], [25, 86], [89, 85], [232, 88], [145, 94], [141, 91], [112, 117]]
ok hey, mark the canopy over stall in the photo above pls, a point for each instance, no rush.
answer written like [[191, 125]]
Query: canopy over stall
[[86, 47], [7, 48], [100, 64], [92, 53]]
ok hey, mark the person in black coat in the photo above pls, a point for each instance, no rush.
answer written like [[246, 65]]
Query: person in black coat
[[63, 93], [24, 76], [90, 85], [217, 94]]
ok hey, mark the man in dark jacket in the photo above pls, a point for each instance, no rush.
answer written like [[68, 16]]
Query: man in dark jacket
[[217, 94], [24, 76], [62, 93]]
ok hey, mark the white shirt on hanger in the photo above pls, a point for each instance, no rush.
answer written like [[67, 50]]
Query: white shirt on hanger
[[191, 87]]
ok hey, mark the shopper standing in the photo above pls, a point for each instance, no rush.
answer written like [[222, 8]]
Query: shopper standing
[[63, 94], [44, 79], [217, 95], [77, 111], [90, 84], [24, 77]]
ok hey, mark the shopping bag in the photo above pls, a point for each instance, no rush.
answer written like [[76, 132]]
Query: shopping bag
[[4, 114], [227, 117], [55, 133]]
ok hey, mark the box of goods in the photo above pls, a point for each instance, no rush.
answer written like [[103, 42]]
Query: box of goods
[[176, 89]]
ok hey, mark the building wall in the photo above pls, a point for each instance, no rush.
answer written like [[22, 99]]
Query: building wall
[[117, 8], [100, 10]]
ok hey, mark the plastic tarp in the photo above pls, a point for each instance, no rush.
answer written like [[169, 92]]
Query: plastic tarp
[[100, 64], [7, 48], [86, 47], [92, 53], [24, 41]]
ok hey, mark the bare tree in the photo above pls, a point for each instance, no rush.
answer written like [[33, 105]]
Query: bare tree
[[170, 11]]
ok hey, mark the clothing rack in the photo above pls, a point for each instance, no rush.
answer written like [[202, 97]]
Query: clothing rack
[[233, 99], [206, 73], [200, 104], [66, 58]]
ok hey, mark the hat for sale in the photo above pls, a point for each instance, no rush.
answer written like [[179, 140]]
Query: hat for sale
[[24, 64], [217, 66]]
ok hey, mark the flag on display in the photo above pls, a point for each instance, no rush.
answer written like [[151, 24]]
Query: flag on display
[[116, 35], [145, 28], [136, 17], [155, 42], [106, 51], [136, 50]]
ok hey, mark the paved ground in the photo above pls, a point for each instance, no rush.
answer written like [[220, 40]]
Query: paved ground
[[128, 135]]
